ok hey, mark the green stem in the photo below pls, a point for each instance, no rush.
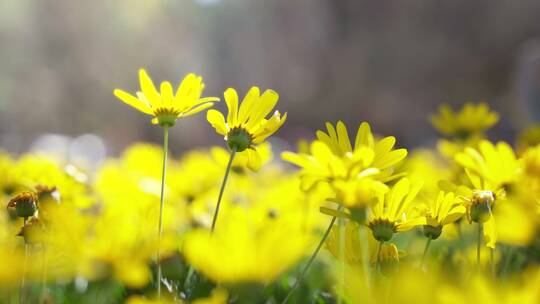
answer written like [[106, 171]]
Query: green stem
[[425, 252], [507, 259], [364, 236], [492, 262], [22, 289], [478, 244], [161, 204], [341, 256], [229, 165], [311, 259], [44, 271], [378, 264]]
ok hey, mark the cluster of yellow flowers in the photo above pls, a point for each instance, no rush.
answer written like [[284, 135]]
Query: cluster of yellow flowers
[[336, 221]]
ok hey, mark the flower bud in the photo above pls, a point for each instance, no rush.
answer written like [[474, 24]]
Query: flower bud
[[481, 203], [24, 204]]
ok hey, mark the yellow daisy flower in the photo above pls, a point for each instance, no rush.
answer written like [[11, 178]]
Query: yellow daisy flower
[[383, 154], [496, 164], [528, 137], [479, 202], [471, 119], [333, 157], [166, 106], [390, 214], [246, 125], [445, 209]]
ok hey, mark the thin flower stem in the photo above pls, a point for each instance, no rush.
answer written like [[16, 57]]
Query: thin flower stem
[[161, 204], [378, 265], [492, 262], [22, 289], [478, 244], [311, 259], [364, 236], [341, 256], [229, 165], [507, 259], [44, 270], [425, 252]]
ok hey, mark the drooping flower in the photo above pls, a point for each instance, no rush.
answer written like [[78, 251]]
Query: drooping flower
[[246, 125], [167, 106]]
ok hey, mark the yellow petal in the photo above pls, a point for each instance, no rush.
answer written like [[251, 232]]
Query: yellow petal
[[216, 119], [247, 104], [409, 224], [363, 136], [454, 215], [254, 160], [187, 83], [166, 93], [390, 159], [133, 101], [231, 99], [490, 232], [385, 145], [262, 107], [197, 109], [269, 127], [343, 137], [148, 88], [396, 197]]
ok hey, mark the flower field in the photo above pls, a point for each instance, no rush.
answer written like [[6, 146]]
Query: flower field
[[349, 216]]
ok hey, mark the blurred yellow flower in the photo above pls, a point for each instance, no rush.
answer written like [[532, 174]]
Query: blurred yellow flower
[[359, 192], [353, 253], [496, 164], [531, 169], [529, 137], [241, 161], [245, 250], [166, 106], [471, 119], [246, 125]]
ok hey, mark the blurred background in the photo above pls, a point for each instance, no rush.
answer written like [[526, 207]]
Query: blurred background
[[389, 62]]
